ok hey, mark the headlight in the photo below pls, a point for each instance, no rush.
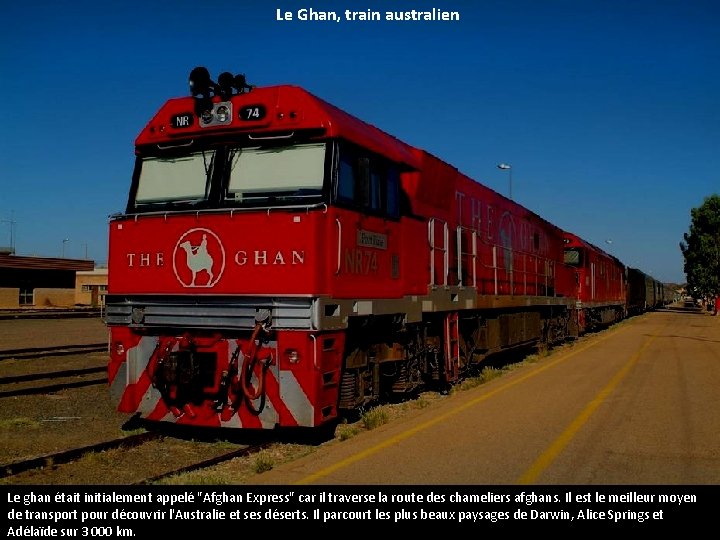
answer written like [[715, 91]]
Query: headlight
[[222, 114]]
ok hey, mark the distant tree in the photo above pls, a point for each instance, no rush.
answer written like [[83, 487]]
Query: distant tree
[[701, 249]]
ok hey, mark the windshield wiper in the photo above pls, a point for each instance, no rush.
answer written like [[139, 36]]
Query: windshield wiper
[[170, 203], [279, 195]]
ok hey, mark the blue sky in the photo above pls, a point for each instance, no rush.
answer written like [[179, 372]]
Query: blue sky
[[608, 111]]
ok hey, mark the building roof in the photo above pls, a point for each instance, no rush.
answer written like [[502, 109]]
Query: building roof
[[44, 263]]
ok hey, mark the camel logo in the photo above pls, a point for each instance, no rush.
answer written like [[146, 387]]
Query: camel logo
[[199, 258]]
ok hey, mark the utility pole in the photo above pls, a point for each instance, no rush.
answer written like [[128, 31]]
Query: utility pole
[[11, 222]]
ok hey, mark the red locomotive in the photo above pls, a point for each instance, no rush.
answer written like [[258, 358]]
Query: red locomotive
[[281, 261], [601, 283]]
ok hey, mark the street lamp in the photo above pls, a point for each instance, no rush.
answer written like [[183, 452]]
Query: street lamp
[[65, 241], [506, 167]]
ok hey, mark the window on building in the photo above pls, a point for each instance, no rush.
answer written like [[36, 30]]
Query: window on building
[[26, 297]]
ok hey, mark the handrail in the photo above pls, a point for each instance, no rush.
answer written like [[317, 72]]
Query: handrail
[[339, 255], [444, 249]]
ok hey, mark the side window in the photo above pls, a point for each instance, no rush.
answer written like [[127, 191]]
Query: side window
[[376, 190], [393, 192], [346, 179], [363, 179], [368, 182]]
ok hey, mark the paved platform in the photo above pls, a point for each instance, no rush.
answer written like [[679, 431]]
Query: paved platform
[[634, 404]]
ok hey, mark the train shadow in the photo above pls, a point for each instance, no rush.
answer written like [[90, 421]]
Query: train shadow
[[694, 310], [242, 436]]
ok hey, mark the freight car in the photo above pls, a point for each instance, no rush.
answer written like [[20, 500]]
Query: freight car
[[645, 293], [280, 262]]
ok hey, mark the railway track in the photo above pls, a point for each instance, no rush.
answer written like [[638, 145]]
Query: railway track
[[65, 456], [59, 350], [204, 464], [49, 314], [52, 461], [8, 385]]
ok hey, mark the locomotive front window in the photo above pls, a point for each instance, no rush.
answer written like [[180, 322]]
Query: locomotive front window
[[174, 179], [277, 172], [573, 257]]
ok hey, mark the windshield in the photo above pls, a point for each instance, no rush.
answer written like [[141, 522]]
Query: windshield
[[573, 257], [173, 179], [230, 176], [287, 171]]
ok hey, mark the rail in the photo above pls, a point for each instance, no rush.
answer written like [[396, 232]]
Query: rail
[[242, 452], [60, 350], [72, 454]]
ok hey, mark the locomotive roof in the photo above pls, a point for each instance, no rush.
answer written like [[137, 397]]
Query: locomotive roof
[[288, 108], [592, 246], [292, 108]]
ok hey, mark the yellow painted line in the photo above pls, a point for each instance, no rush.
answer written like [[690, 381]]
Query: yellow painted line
[[547, 457], [421, 427]]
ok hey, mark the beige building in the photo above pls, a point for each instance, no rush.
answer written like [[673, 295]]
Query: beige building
[[39, 282], [91, 287]]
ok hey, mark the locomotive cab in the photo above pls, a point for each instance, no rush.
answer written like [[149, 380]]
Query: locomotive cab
[[600, 283]]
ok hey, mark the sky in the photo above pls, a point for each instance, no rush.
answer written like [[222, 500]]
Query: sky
[[607, 111]]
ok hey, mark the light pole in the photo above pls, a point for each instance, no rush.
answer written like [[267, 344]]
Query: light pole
[[508, 168], [65, 241]]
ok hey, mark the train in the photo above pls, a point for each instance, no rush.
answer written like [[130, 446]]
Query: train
[[281, 263], [647, 293]]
